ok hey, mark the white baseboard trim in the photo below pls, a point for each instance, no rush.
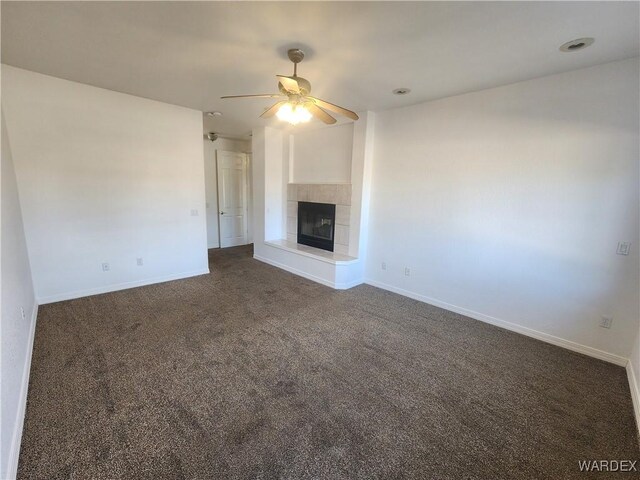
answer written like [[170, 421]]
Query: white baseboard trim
[[634, 385], [16, 439], [514, 327], [300, 273], [348, 285], [119, 286]]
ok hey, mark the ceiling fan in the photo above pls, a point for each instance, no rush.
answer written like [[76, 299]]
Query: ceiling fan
[[296, 105]]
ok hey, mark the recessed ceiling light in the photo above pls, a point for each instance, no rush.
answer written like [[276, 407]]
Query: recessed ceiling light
[[577, 44], [401, 91], [214, 114]]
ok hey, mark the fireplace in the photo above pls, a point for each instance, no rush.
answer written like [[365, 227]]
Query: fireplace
[[316, 224]]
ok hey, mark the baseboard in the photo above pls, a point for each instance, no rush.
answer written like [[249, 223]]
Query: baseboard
[[514, 327], [300, 273], [634, 385], [119, 286], [348, 285], [16, 439]]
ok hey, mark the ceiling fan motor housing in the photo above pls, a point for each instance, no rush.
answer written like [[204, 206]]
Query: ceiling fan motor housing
[[303, 84], [296, 56]]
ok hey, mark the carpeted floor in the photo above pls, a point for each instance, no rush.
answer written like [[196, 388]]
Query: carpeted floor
[[252, 372]]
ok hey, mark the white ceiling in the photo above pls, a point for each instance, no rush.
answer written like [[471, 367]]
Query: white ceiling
[[192, 53]]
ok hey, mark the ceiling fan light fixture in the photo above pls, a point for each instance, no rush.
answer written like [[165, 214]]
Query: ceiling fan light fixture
[[294, 104], [294, 114]]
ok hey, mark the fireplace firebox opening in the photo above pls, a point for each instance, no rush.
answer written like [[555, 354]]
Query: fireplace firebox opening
[[316, 224]]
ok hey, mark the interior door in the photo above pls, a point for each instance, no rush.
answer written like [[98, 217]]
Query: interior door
[[232, 198]]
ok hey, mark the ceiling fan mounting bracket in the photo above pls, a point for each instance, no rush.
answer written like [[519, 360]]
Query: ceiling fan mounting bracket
[[295, 55]]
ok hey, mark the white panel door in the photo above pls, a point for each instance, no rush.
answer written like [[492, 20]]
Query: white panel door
[[232, 198]]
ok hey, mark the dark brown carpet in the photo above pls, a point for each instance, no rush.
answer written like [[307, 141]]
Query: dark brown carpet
[[252, 372]]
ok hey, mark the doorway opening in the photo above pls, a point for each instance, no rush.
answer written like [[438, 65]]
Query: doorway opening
[[233, 198], [228, 192]]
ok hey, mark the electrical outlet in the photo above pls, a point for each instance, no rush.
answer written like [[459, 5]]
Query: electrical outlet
[[139, 261], [407, 271], [606, 321], [384, 265], [22, 313], [623, 248], [105, 267]]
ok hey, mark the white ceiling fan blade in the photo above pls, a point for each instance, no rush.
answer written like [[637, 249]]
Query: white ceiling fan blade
[[263, 95], [334, 108], [320, 113], [290, 84], [271, 111]]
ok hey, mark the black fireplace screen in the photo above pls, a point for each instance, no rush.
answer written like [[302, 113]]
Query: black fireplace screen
[[316, 224]]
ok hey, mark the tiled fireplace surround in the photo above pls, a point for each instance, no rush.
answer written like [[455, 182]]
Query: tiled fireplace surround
[[338, 194]]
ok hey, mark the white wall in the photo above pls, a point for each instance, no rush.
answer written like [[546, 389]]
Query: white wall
[[269, 189], [322, 155], [104, 178], [274, 188], [508, 204], [211, 184], [17, 332], [361, 174], [258, 146], [211, 193]]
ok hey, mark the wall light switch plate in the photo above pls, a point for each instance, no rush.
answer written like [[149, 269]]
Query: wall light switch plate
[[139, 261], [194, 212], [384, 265], [105, 267], [22, 313], [623, 248], [407, 271]]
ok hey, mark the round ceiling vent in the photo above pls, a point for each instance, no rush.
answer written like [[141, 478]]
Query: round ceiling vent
[[577, 44], [401, 91]]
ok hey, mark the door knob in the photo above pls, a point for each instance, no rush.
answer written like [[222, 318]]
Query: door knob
[[221, 213]]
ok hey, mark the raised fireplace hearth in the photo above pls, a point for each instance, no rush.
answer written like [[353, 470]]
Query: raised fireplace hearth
[[316, 224]]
